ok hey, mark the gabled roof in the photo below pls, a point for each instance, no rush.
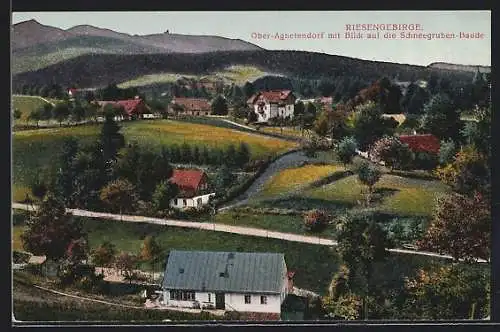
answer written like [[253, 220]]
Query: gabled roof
[[238, 272], [130, 105], [421, 143], [187, 179], [193, 103], [273, 96]]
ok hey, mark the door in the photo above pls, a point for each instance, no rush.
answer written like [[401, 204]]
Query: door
[[220, 301]]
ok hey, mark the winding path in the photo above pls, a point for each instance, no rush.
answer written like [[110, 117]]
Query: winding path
[[294, 159], [223, 228], [39, 97]]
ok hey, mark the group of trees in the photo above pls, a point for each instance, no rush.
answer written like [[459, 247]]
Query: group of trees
[[63, 111], [232, 156], [49, 91], [107, 256]]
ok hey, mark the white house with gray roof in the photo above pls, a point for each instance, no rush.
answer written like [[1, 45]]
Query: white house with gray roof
[[231, 281]]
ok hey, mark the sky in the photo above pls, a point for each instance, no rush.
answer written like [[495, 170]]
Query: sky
[[247, 25]]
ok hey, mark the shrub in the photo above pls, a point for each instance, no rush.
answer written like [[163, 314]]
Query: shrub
[[316, 220]]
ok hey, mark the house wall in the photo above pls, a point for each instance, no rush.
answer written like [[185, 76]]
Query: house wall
[[233, 301], [191, 202], [236, 301]]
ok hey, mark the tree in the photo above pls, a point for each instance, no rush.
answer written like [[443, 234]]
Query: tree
[[77, 251], [478, 133], [468, 173], [223, 179], [252, 116], [248, 89], [36, 116], [441, 118], [369, 175], [321, 125], [219, 106], [460, 227], [151, 252], [17, 113], [51, 230], [230, 157], [46, 112], [104, 255], [392, 152], [91, 111], [119, 195], [361, 243], [341, 302], [346, 150], [165, 191], [66, 174], [61, 112], [186, 156], [316, 220], [126, 262], [462, 293], [77, 113], [369, 125], [243, 154], [447, 152], [111, 139]]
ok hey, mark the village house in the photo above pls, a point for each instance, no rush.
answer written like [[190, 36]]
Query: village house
[[426, 143], [253, 284], [272, 104], [133, 108], [193, 189], [190, 106]]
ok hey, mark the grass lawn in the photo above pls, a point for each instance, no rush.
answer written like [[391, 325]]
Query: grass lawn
[[314, 264], [287, 131], [26, 104], [295, 178], [408, 197], [35, 149]]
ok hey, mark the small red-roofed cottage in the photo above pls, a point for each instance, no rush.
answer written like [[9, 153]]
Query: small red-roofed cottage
[[425, 147], [272, 104], [193, 188], [133, 108], [421, 143]]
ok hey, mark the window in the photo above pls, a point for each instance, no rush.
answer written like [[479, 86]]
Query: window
[[209, 297], [184, 202], [176, 201], [248, 299], [182, 295], [263, 299]]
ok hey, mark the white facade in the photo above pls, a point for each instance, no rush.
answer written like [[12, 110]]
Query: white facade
[[268, 303], [191, 202], [272, 110]]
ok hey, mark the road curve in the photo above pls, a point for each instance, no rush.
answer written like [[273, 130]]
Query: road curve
[[224, 228]]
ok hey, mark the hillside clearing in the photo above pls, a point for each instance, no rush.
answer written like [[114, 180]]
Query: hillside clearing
[[26, 104], [35, 149], [295, 178], [233, 74], [402, 196]]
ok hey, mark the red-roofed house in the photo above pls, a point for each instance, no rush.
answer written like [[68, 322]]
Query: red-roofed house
[[134, 108], [421, 143], [272, 104], [193, 186], [190, 106]]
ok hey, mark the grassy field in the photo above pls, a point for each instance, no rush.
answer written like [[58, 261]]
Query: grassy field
[[35, 149], [295, 178], [26, 104], [314, 264], [234, 74], [402, 196], [287, 131]]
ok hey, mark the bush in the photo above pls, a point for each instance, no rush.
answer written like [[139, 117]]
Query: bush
[[316, 220]]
